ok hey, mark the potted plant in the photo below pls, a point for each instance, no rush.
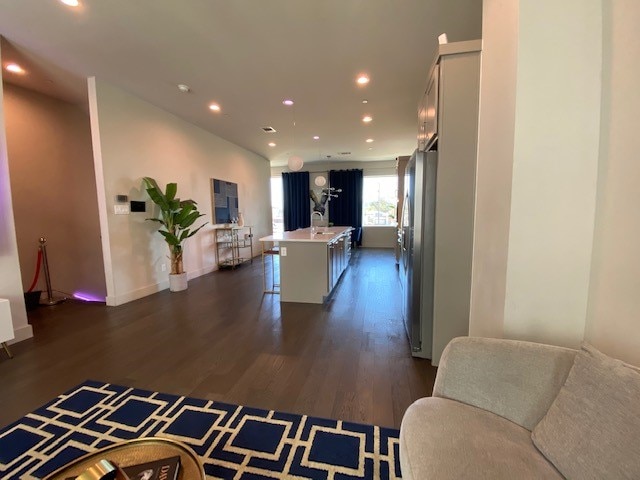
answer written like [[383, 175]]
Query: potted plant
[[176, 219]]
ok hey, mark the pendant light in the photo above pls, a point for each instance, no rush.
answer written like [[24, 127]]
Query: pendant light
[[295, 162]]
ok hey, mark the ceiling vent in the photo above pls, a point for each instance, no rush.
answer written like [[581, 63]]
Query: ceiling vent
[[269, 129], [344, 153]]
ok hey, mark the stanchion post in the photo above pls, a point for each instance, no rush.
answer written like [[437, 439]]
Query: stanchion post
[[51, 300]]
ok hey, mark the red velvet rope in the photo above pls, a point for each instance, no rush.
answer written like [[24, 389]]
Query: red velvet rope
[[35, 278]]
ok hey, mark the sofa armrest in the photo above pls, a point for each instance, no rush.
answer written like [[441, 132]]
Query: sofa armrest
[[516, 380]]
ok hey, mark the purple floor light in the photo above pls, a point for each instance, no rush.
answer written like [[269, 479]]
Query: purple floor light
[[87, 297]]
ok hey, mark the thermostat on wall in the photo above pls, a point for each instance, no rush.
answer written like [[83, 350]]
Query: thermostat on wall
[[137, 206]]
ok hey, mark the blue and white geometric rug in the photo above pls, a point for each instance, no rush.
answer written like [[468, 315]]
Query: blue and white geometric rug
[[233, 442]]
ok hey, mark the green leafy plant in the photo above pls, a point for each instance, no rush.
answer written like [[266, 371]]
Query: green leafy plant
[[176, 219]]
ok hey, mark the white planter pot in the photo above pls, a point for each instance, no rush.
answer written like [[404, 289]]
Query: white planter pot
[[178, 282]]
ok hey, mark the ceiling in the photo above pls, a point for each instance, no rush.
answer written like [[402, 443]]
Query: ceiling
[[248, 56]]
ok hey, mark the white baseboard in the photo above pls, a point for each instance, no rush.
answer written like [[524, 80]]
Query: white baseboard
[[22, 333], [115, 300], [201, 271]]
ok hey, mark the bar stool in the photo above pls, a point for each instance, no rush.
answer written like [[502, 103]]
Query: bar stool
[[272, 253]]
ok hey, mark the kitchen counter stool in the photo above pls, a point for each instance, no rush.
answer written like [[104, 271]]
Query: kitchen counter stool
[[272, 253]]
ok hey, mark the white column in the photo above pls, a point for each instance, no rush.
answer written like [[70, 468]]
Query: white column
[[555, 167], [10, 278], [493, 171], [614, 304]]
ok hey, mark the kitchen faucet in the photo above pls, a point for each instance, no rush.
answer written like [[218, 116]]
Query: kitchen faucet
[[313, 229]]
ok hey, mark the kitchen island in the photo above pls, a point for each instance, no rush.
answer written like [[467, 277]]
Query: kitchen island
[[311, 262]]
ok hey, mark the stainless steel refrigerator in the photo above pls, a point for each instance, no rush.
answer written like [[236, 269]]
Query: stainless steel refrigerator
[[417, 244]]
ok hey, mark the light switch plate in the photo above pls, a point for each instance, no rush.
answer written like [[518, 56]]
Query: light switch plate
[[283, 251], [121, 209]]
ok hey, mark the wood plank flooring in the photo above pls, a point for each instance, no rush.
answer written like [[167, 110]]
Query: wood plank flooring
[[223, 340]]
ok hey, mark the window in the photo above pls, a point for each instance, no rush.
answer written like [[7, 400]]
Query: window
[[379, 200], [277, 214]]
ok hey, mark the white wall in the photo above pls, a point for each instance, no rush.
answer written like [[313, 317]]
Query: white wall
[[10, 278], [379, 237], [613, 323], [133, 139], [555, 160], [54, 190], [494, 167]]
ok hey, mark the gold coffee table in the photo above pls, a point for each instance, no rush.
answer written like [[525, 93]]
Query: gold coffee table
[[133, 452]]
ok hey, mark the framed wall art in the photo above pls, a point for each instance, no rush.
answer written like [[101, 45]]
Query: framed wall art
[[225, 201]]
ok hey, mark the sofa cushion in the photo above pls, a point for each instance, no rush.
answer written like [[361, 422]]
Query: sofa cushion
[[445, 439], [516, 380], [592, 429]]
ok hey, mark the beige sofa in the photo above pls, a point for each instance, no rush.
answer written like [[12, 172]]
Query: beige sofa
[[497, 405]]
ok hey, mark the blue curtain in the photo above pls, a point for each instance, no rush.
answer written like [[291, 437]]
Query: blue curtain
[[297, 207], [347, 208]]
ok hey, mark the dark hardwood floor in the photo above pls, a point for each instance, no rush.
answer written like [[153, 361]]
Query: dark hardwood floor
[[223, 340]]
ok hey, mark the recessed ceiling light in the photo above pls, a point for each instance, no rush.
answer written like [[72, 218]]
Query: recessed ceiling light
[[365, 101], [184, 88], [369, 140], [287, 102], [71, 3], [271, 144], [15, 68], [367, 118], [316, 137], [215, 107], [362, 79]]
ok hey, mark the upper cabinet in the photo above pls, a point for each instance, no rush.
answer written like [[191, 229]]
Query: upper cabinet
[[458, 57], [428, 111]]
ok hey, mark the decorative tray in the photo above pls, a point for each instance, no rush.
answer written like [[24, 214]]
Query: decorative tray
[[132, 452]]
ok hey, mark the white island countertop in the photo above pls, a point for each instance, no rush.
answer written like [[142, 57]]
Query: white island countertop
[[322, 235]]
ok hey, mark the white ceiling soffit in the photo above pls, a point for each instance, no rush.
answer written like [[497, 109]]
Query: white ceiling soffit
[[248, 56], [42, 75]]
